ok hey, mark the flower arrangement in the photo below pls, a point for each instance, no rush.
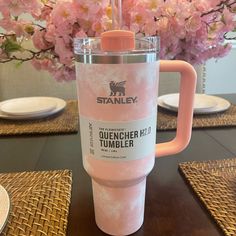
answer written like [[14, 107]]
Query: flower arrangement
[[191, 30]]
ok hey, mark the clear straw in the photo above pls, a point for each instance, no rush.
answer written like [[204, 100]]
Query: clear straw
[[116, 6]]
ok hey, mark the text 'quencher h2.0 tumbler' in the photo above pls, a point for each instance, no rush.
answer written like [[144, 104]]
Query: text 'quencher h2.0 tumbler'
[[117, 78]]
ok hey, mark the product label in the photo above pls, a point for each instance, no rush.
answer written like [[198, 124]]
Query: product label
[[118, 140]]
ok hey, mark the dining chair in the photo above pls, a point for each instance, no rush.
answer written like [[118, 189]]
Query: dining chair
[[169, 82], [25, 81]]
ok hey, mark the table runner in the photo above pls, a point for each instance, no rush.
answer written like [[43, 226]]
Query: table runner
[[214, 182], [166, 120], [39, 202], [63, 122]]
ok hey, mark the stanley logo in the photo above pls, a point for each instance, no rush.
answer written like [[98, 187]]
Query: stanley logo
[[117, 89]]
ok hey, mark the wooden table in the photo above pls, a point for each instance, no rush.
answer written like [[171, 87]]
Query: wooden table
[[171, 207]]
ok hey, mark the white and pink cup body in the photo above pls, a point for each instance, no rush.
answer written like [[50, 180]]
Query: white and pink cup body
[[118, 112]]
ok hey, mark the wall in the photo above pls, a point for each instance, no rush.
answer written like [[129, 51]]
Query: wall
[[220, 75]]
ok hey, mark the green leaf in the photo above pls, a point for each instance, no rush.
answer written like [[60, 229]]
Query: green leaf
[[10, 46], [18, 64]]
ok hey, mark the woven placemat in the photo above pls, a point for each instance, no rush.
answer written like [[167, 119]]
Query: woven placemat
[[39, 202], [166, 120], [214, 182], [63, 122]]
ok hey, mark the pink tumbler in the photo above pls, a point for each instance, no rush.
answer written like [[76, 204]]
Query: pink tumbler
[[117, 92]]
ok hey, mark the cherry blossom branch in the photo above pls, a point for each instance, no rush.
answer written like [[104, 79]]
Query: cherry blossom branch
[[223, 2], [49, 2], [14, 58], [40, 26], [221, 7], [7, 35], [33, 55]]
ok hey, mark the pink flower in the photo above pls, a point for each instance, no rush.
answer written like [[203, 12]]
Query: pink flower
[[189, 30], [228, 19], [63, 51], [64, 13], [17, 7], [43, 64], [20, 27], [90, 9], [193, 23], [64, 74], [50, 33], [45, 13], [80, 34], [202, 5], [39, 40]]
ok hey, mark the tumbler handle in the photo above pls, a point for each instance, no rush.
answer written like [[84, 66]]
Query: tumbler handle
[[185, 111]]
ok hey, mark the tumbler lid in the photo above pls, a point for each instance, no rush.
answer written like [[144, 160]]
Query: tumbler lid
[[117, 41], [100, 50]]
